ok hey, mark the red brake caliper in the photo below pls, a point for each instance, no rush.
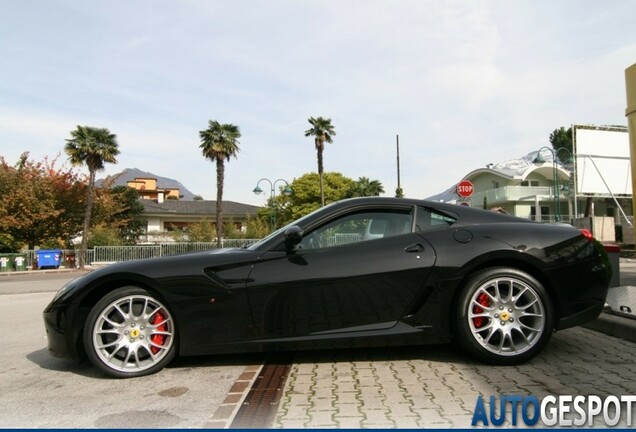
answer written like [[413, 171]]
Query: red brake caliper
[[158, 339], [483, 300]]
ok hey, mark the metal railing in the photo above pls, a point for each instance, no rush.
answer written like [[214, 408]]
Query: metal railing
[[69, 257], [507, 194], [109, 254]]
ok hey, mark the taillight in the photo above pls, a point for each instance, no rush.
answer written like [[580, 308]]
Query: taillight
[[587, 234]]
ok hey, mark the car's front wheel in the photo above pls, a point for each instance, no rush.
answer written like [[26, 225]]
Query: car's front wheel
[[130, 333], [504, 316]]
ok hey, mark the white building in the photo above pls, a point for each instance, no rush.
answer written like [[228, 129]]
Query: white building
[[526, 187]]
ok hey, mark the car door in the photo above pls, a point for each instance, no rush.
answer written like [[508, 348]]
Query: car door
[[358, 271]]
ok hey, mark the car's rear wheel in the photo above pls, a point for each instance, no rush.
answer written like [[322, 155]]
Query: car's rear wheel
[[504, 316], [130, 333]]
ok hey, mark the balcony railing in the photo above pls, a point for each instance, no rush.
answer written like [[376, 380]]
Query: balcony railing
[[513, 193]]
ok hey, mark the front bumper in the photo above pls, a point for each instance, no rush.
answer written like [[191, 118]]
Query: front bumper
[[59, 342]]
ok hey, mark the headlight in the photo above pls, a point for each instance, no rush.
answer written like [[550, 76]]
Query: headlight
[[66, 288]]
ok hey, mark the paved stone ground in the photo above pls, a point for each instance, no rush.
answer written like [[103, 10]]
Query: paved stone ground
[[437, 386]]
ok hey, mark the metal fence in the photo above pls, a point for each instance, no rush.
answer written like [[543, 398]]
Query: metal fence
[[109, 254], [106, 254], [69, 257]]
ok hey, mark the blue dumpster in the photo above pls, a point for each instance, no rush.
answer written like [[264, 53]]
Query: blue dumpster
[[49, 258]]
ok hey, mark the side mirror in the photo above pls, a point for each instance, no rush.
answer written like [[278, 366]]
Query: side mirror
[[293, 236]]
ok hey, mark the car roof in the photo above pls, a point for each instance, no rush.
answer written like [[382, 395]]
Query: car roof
[[464, 214]]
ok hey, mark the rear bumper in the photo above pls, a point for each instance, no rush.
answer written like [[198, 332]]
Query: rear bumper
[[581, 290], [582, 317]]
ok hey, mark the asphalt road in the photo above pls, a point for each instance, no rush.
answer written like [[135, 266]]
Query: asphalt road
[[38, 391], [36, 282], [430, 386]]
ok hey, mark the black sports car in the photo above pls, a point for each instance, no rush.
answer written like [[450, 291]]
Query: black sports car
[[359, 272]]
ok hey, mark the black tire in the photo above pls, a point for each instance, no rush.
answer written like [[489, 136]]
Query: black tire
[[130, 333], [504, 316]]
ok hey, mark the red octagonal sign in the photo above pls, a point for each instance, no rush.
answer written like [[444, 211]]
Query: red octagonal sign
[[465, 189]]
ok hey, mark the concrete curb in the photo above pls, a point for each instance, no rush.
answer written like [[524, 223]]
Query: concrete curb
[[614, 325], [45, 271]]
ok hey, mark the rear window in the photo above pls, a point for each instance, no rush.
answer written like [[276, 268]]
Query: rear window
[[441, 219], [428, 219]]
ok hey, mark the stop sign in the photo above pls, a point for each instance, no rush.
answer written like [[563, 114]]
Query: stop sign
[[465, 188]]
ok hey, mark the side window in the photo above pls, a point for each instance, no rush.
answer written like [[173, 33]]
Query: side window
[[429, 219], [358, 227]]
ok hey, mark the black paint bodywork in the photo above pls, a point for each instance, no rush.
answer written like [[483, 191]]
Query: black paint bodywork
[[386, 291]]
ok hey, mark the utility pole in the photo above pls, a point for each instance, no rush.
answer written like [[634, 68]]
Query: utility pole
[[630, 112], [398, 191]]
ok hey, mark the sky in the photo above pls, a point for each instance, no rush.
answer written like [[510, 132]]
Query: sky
[[463, 83]]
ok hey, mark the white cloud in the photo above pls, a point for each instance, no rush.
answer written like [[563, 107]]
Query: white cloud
[[464, 83]]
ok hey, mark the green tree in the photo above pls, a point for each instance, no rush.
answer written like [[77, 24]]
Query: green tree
[[562, 138], [365, 187], [27, 202], [103, 234], [202, 231], [219, 142], [129, 219], [232, 230], [38, 203], [93, 147], [306, 196], [70, 188], [256, 228], [322, 130], [119, 208], [8, 244]]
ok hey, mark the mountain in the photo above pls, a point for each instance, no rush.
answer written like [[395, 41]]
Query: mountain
[[128, 174]]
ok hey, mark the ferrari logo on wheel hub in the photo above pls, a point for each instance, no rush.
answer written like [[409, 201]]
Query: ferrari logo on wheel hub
[[134, 333], [505, 316]]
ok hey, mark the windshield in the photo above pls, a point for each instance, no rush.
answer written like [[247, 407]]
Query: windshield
[[258, 244]]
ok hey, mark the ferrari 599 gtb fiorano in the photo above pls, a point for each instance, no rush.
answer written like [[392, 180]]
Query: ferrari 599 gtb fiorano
[[359, 272]]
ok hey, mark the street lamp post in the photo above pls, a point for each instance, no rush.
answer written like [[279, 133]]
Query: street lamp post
[[272, 194], [555, 196], [555, 174], [568, 162]]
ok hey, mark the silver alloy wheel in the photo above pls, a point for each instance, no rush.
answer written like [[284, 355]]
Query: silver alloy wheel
[[506, 316], [133, 333]]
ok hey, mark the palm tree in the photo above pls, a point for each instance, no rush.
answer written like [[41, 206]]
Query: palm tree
[[219, 142], [92, 147], [365, 187], [322, 130]]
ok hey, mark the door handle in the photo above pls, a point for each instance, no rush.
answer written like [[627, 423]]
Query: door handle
[[418, 247]]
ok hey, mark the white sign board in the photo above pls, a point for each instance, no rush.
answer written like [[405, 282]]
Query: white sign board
[[602, 161]]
